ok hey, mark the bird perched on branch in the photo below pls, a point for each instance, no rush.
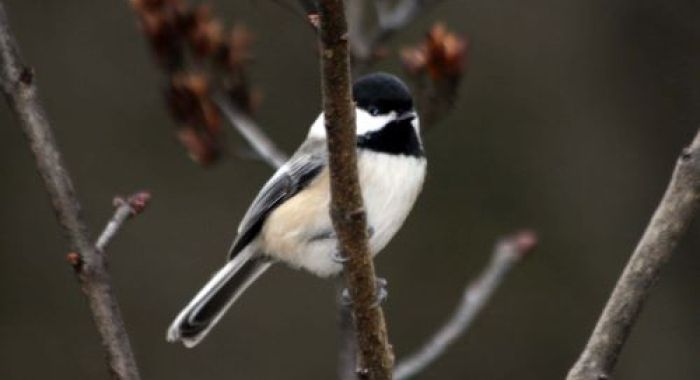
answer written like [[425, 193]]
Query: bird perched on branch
[[289, 220]]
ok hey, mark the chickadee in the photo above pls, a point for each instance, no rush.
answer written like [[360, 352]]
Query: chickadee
[[289, 220]]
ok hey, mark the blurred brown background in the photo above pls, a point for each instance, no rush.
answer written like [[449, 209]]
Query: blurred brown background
[[569, 122]]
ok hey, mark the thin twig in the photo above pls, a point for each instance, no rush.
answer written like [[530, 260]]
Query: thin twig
[[256, 138], [124, 209], [356, 11], [347, 210], [666, 228], [390, 19], [91, 269], [507, 253], [347, 354]]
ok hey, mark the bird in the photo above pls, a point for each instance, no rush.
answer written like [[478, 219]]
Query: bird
[[289, 220]]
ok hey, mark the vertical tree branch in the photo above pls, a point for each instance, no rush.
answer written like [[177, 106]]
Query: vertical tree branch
[[18, 86], [347, 210], [666, 228], [347, 353]]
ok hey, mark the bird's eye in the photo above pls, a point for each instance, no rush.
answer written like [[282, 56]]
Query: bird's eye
[[374, 111]]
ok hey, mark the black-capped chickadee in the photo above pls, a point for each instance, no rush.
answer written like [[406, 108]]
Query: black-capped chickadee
[[289, 220]]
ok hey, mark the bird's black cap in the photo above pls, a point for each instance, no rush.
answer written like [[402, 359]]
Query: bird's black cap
[[382, 93]]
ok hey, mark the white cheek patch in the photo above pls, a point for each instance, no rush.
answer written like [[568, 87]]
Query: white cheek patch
[[416, 124], [368, 123], [364, 121], [318, 128]]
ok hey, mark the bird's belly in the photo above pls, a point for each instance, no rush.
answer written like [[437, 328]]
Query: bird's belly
[[390, 186], [300, 231]]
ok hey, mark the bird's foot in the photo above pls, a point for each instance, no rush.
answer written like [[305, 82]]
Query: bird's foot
[[380, 291], [336, 256]]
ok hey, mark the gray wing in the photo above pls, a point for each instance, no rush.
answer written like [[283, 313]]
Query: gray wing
[[301, 169]]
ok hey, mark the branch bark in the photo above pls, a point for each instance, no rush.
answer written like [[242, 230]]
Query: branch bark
[[18, 86], [666, 228], [347, 210], [125, 209], [347, 353], [508, 252]]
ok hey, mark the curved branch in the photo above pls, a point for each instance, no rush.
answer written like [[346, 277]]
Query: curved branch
[[666, 228], [21, 93], [347, 210], [508, 251]]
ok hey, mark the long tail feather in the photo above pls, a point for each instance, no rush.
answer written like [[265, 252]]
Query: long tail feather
[[215, 298]]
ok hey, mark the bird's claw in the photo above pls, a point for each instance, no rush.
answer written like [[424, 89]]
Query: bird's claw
[[345, 298], [380, 291], [338, 258]]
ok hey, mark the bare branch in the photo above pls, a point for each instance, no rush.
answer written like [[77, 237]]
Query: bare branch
[[18, 85], [347, 354], [347, 210], [507, 252], [390, 19], [436, 67], [666, 228], [355, 13], [250, 131], [125, 209], [393, 18]]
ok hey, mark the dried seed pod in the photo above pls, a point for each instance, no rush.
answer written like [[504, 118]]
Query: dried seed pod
[[443, 54], [436, 67], [204, 33], [238, 48], [192, 47], [190, 103], [200, 147]]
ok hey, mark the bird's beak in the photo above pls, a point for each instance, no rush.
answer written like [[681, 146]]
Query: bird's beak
[[406, 116]]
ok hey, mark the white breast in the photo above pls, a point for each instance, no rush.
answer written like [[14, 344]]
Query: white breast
[[390, 186]]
